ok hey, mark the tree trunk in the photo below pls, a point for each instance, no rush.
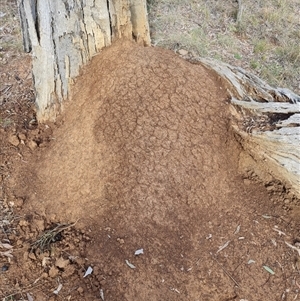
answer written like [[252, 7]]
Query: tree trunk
[[63, 35]]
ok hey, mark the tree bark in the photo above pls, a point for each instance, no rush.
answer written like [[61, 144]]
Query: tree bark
[[63, 35]]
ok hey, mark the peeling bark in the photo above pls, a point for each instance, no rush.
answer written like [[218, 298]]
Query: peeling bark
[[266, 120], [63, 35]]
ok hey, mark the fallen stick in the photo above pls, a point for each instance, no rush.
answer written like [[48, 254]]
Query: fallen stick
[[225, 271]]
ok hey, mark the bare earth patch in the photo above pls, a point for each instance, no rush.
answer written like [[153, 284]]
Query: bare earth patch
[[142, 158]]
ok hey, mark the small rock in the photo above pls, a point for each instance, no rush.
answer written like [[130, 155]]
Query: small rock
[[69, 270], [247, 182], [121, 241], [39, 296], [25, 255], [269, 188], [286, 201], [45, 261], [19, 243], [87, 238], [53, 272], [32, 256], [19, 202], [61, 263], [80, 290], [23, 223], [32, 144], [80, 261], [96, 270], [183, 52], [71, 247], [14, 140], [22, 136], [45, 275], [4, 268], [39, 225], [52, 218]]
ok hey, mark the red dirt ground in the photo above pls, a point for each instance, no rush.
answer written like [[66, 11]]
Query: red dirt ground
[[144, 157]]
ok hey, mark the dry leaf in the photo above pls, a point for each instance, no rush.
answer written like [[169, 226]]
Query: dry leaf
[[61, 262], [58, 289], [269, 270], [102, 294], [266, 216], [130, 264], [139, 251], [237, 229], [88, 271]]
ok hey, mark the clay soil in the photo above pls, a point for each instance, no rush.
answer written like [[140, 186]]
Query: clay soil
[[142, 157]]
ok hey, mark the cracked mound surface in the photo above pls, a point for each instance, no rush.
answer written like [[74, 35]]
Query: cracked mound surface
[[145, 159], [145, 128]]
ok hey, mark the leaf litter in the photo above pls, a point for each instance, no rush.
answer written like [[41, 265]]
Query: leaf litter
[[89, 271], [130, 264], [58, 289], [139, 252], [102, 294], [269, 270]]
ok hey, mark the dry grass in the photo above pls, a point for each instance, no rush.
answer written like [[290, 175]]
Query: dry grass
[[49, 236], [10, 32], [10, 47], [265, 41]]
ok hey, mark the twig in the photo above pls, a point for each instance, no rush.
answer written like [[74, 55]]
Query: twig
[[279, 232], [293, 247], [225, 271], [223, 247], [24, 290]]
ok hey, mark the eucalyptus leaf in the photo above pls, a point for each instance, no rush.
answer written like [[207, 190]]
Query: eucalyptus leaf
[[269, 270], [130, 264], [88, 271]]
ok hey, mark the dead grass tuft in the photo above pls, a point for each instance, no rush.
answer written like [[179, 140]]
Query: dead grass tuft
[[48, 237]]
